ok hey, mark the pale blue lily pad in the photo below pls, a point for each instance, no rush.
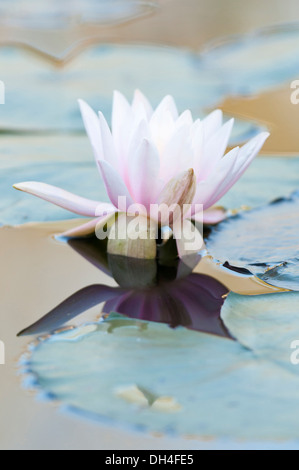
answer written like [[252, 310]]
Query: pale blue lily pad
[[55, 14], [268, 178], [263, 241], [268, 325], [149, 377], [46, 98], [253, 63], [246, 65]]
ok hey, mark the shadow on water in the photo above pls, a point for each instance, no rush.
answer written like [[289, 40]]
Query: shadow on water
[[165, 291]]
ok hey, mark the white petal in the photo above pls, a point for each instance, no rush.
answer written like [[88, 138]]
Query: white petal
[[245, 157], [62, 198], [99, 134], [189, 240], [178, 154], [167, 104], [162, 127], [140, 133], [185, 119], [212, 123], [93, 128], [248, 152], [207, 191], [140, 99], [215, 147], [115, 186], [230, 168], [143, 173], [197, 143], [121, 122], [108, 148]]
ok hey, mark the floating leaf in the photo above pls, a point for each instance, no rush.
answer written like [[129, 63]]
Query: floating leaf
[[93, 77], [55, 15], [266, 324], [266, 179], [264, 241], [149, 376], [252, 63]]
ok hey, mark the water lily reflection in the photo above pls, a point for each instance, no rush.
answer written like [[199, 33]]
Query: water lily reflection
[[164, 292]]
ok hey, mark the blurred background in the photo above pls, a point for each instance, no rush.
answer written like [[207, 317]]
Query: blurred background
[[241, 56], [238, 55]]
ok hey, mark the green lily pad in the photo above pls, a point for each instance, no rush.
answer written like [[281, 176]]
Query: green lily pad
[[150, 377], [263, 241]]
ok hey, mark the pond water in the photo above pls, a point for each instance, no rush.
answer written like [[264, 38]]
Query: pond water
[[160, 346]]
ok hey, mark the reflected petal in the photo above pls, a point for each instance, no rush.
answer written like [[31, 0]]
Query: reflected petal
[[89, 228], [76, 304]]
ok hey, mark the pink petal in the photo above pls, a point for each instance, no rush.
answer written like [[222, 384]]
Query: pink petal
[[177, 155], [87, 229], [121, 121], [207, 191], [212, 123], [167, 104], [213, 216], [244, 158], [188, 239], [107, 144], [115, 186], [197, 143], [141, 133], [230, 168], [62, 198], [185, 119], [162, 128], [93, 128], [162, 123], [143, 173], [140, 99], [247, 154], [214, 148], [99, 134]]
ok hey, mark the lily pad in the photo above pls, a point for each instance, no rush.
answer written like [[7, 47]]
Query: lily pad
[[93, 77], [268, 178], [264, 241], [150, 377], [266, 324], [56, 15], [254, 62]]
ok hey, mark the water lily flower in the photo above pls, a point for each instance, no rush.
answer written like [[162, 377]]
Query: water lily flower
[[155, 157]]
